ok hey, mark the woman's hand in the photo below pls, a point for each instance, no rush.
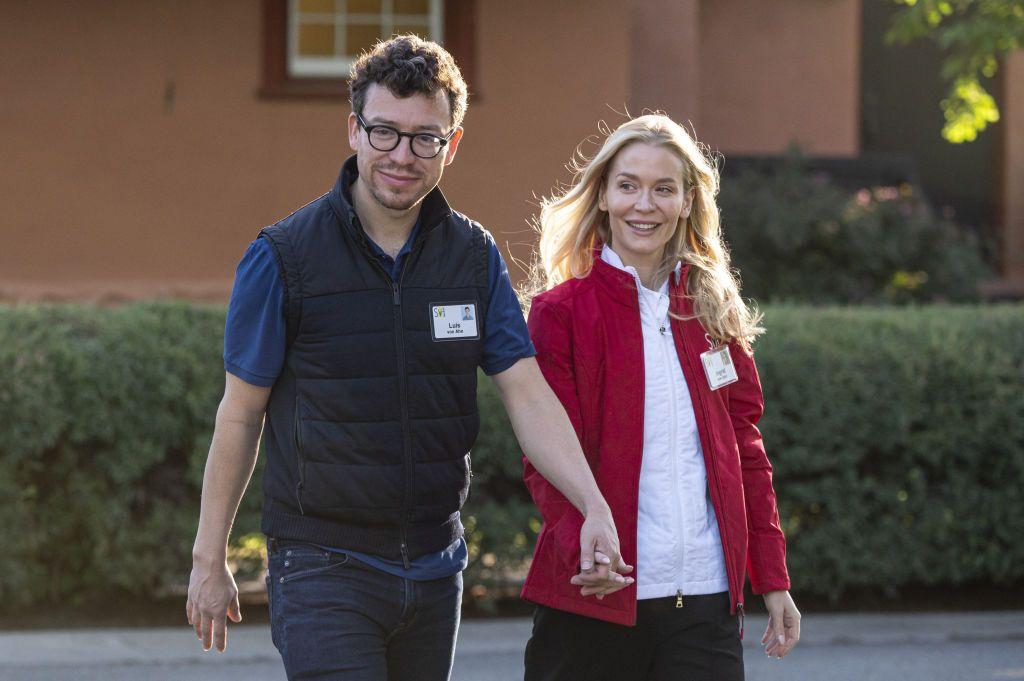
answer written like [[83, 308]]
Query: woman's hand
[[783, 631], [601, 580]]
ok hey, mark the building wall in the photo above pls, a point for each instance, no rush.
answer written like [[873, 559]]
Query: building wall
[[1013, 176], [542, 89], [139, 160], [775, 72]]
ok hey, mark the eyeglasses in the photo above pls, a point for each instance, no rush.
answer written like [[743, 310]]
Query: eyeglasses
[[386, 138]]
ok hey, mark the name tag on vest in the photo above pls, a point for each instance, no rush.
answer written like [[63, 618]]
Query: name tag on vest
[[454, 321]]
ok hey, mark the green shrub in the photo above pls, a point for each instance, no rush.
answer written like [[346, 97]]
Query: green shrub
[[797, 237], [898, 443], [897, 437], [105, 420]]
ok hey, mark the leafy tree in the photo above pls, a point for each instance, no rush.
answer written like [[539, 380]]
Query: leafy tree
[[974, 34]]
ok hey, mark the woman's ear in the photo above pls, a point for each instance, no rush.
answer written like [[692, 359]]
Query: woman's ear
[[688, 201], [601, 202]]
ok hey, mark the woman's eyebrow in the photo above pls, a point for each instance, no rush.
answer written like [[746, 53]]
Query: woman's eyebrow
[[631, 176]]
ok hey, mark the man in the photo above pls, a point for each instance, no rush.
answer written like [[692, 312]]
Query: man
[[339, 334]]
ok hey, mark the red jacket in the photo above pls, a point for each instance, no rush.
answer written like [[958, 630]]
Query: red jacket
[[590, 348]]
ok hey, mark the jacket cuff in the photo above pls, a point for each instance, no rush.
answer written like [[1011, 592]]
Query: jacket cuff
[[763, 586]]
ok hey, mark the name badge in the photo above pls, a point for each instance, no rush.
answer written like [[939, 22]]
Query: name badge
[[719, 367], [456, 321]]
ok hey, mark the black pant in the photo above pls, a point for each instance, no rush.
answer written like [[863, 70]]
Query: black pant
[[698, 642]]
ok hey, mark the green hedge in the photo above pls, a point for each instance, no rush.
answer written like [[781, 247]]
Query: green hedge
[[897, 438], [799, 237]]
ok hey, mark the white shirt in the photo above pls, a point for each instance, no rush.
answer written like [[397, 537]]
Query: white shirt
[[679, 549]]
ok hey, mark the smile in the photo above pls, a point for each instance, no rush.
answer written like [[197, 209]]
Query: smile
[[644, 226], [397, 179]]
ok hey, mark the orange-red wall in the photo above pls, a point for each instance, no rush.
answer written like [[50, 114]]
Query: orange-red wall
[[772, 72], [138, 160], [1013, 177]]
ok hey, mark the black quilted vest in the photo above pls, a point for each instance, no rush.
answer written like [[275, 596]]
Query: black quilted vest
[[370, 423]]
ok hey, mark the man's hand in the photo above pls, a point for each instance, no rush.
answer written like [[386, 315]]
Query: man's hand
[[601, 568], [601, 580], [212, 598], [212, 594], [783, 631]]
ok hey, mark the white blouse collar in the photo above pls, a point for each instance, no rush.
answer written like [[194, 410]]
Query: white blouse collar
[[612, 258]]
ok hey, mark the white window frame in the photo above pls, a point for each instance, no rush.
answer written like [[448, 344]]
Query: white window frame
[[338, 66]]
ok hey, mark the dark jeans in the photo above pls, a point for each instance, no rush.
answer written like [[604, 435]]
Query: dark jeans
[[698, 642], [335, 618]]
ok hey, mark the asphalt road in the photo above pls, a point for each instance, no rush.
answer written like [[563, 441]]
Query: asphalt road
[[961, 647], [998, 661]]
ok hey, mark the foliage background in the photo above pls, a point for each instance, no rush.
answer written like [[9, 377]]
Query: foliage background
[[897, 437], [796, 235]]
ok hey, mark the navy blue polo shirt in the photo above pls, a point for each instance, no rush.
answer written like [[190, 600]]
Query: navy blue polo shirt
[[254, 351]]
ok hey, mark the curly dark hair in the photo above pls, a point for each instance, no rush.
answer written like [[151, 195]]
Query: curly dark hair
[[406, 65]]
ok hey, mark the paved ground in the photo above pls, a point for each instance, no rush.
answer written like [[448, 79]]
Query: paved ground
[[958, 647]]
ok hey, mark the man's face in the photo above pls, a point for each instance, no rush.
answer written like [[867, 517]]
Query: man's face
[[398, 179]]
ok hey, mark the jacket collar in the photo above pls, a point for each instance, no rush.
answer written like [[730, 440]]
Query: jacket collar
[[434, 208], [609, 256], [621, 286]]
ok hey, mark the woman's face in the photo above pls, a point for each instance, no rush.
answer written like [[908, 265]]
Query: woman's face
[[644, 197]]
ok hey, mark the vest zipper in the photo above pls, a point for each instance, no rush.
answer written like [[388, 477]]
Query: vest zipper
[[403, 397], [298, 455], [403, 382]]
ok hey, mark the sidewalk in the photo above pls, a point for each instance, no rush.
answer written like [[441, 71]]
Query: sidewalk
[[88, 647]]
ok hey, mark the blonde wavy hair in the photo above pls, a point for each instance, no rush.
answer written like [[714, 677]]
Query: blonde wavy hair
[[571, 224]]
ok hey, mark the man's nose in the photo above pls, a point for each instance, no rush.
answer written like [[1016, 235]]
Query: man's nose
[[402, 154]]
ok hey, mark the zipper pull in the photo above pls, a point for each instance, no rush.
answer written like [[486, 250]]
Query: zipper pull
[[679, 598], [394, 291], [405, 555], [739, 610]]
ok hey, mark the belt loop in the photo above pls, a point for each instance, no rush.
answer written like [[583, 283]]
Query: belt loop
[[271, 546]]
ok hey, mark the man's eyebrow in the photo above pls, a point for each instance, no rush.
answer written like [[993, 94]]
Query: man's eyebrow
[[631, 176], [393, 124]]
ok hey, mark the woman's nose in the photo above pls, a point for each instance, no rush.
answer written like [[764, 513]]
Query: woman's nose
[[644, 201]]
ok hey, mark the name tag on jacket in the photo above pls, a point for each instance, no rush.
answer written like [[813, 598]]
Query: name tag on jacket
[[454, 321], [719, 367]]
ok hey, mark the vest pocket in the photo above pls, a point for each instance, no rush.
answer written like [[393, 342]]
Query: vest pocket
[[299, 459]]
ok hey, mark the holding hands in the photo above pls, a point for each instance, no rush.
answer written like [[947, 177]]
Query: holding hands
[[601, 579], [601, 567]]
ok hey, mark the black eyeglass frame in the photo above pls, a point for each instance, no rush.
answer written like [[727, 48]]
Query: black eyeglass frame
[[442, 141]]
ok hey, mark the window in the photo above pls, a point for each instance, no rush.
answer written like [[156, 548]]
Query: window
[[325, 36], [309, 45]]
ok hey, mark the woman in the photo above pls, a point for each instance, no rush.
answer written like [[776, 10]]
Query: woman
[[643, 336]]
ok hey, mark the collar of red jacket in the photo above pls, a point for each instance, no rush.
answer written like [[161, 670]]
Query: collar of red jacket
[[620, 286]]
